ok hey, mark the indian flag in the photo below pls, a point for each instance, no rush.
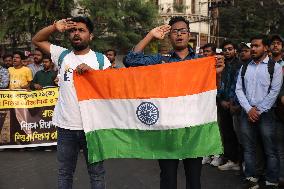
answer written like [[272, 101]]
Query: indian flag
[[165, 111]]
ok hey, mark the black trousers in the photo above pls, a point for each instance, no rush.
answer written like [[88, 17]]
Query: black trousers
[[229, 137], [168, 174]]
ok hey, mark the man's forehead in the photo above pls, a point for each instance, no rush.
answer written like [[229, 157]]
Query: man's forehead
[[110, 52], [256, 41], [179, 24], [80, 25], [37, 53], [245, 49], [277, 40], [46, 60], [229, 45]]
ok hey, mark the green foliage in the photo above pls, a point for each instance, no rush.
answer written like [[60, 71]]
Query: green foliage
[[120, 24], [251, 17], [22, 19]]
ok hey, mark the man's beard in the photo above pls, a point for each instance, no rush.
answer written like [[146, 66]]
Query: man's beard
[[256, 58], [276, 53], [79, 47], [37, 61]]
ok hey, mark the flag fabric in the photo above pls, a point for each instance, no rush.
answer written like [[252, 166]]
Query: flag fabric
[[164, 111]]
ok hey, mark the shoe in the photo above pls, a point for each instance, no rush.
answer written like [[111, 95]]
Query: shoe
[[217, 161], [250, 183], [229, 166], [206, 160], [269, 185], [281, 182]]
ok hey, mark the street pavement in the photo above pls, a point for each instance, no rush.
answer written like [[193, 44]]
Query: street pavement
[[38, 170]]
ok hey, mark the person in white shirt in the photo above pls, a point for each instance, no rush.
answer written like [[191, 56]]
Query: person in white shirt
[[67, 117]]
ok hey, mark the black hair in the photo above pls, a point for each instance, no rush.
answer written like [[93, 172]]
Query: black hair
[[25, 57], [211, 45], [275, 37], [263, 38], [22, 55], [38, 49], [7, 55], [176, 19], [47, 56], [114, 51], [227, 42], [86, 21]]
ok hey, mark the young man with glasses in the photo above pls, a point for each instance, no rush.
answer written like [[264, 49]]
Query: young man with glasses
[[179, 35], [276, 47]]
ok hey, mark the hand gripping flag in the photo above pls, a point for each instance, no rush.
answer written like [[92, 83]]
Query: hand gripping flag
[[165, 111]]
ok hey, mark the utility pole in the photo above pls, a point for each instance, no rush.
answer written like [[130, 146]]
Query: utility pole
[[214, 14], [199, 24], [209, 22]]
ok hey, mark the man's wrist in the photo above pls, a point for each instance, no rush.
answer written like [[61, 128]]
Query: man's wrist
[[54, 25]]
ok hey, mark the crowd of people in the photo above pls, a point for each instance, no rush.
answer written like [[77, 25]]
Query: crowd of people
[[249, 98], [33, 71], [250, 116]]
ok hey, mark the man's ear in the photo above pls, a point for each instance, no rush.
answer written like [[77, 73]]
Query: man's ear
[[91, 36]]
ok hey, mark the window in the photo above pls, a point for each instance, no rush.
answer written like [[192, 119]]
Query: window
[[193, 6]]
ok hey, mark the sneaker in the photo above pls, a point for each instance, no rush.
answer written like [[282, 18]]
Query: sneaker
[[281, 182], [229, 166], [217, 161], [206, 160], [269, 185], [250, 183]]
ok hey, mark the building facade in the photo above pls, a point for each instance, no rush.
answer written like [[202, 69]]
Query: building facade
[[196, 11]]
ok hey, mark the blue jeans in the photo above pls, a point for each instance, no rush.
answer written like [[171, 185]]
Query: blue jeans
[[69, 143], [266, 128], [280, 135]]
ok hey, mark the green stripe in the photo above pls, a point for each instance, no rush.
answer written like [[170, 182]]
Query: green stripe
[[198, 141]]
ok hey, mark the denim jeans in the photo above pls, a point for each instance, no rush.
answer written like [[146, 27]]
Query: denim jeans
[[266, 128], [168, 175], [280, 136], [69, 144]]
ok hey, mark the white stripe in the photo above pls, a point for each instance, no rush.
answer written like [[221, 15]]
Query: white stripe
[[27, 145], [174, 112]]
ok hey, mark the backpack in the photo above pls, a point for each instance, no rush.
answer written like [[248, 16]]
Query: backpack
[[100, 58], [270, 65], [279, 110]]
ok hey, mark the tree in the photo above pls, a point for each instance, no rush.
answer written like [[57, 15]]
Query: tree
[[251, 17], [22, 18], [120, 24]]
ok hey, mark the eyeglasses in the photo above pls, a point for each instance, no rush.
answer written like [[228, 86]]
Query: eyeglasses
[[181, 30], [228, 49]]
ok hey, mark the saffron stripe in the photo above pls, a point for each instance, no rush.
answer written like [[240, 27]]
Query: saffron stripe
[[156, 81]]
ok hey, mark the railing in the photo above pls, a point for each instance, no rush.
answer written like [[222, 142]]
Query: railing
[[191, 17]]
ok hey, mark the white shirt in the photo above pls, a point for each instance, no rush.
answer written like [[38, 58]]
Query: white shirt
[[67, 113]]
